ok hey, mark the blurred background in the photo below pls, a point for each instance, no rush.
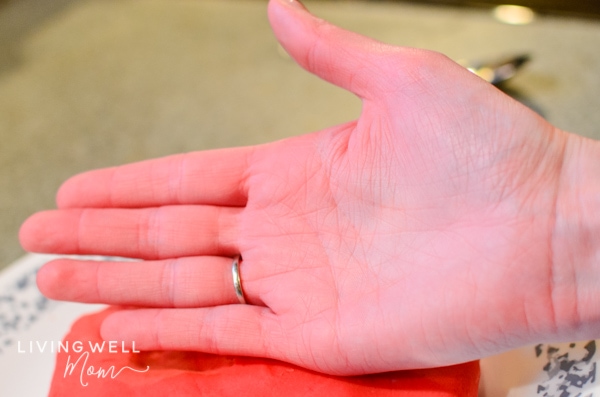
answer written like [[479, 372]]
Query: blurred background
[[95, 83], [578, 8]]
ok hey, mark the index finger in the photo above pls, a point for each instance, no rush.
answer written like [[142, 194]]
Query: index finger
[[215, 177]]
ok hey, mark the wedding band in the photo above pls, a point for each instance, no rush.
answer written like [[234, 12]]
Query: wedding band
[[237, 281]]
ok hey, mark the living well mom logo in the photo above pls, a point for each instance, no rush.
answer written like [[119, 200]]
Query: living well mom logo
[[87, 359]]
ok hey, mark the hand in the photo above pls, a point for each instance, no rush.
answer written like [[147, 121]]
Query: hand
[[417, 236]]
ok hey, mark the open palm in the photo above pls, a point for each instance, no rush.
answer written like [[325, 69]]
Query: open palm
[[416, 236]]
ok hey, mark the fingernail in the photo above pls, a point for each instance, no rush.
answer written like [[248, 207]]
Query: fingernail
[[297, 4]]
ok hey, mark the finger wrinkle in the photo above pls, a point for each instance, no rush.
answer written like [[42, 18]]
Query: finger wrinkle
[[80, 226], [112, 187], [151, 234], [176, 184], [157, 324], [167, 281]]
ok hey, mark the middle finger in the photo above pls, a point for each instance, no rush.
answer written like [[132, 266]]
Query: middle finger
[[148, 233]]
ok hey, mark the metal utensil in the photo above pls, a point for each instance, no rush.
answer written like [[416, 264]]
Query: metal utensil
[[498, 71]]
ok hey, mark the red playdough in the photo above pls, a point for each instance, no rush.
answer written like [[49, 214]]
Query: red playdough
[[174, 373]]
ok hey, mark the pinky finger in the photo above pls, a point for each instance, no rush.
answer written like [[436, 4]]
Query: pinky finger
[[242, 330]]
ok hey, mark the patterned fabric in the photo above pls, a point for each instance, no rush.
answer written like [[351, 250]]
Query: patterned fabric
[[570, 368], [21, 305]]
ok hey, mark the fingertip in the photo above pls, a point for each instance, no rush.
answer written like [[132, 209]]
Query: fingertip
[[63, 279], [48, 277], [44, 232], [286, 19], [289, 3], [123, 325], [80, 190], [343, 58], [65, 194], [29, 231], [111, 327]]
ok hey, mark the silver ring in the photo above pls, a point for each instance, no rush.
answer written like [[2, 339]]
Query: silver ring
[[237, 281]]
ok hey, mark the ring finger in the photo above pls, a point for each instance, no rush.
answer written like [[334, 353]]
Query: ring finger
[[185, 282]]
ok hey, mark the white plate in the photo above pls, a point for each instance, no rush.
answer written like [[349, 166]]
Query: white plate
[[27, 316]]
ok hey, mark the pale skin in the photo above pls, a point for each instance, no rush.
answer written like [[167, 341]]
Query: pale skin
[[447, 223]]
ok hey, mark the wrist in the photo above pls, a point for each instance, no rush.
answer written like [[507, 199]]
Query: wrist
[[576, 242]]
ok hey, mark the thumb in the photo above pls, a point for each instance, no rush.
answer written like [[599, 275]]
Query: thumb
[[346, 59]]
